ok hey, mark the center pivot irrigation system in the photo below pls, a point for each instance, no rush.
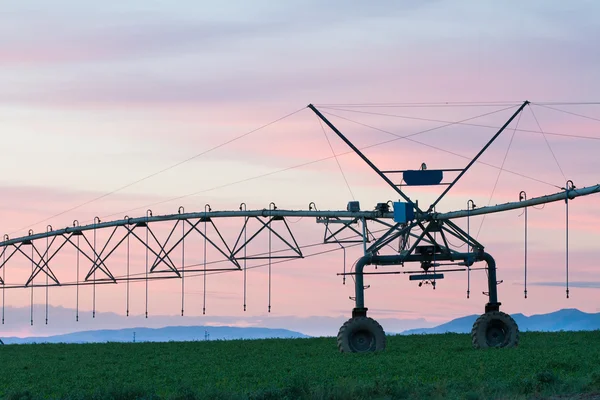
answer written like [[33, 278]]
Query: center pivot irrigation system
[[421, 236]]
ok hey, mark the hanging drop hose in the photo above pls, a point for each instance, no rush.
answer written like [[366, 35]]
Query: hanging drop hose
[[344, 276], [148, 214], [243, 208], [3, 279], [96, 259], [568, 187], [433, 283], [32, 285], [48, 229], [270, 250], [127, 288], [245, 263], [206, 208], [468, 252], [523, 196], [180, 211], [269, 307], [76, 223], [567, 244], [313, 206], [470, 206]]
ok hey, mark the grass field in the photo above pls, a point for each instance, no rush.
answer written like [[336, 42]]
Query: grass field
[[412, 367]]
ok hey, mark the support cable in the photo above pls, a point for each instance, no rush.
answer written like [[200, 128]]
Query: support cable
[[462, 123], [499, 173], [264, 126], [425, 104], [397, 137], [165, 169], [336, 158], [407, 137], [568, 103], [547, 143], [453, 104], [568, 112]]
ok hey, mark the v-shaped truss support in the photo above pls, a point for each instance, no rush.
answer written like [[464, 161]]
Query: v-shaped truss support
[[267, 225], [396, 188], [40, 264]]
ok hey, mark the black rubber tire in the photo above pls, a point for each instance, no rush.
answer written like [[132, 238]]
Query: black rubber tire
[[495, 329], [361, 335]]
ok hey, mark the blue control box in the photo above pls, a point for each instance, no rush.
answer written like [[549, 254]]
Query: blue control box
[[403, 212]]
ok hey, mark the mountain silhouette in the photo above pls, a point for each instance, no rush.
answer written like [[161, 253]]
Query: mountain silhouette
[[166, 334], [569, 319]]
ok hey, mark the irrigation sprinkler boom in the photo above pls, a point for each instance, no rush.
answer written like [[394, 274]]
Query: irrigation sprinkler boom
[[423, 236], [321, 216], [493, 328]]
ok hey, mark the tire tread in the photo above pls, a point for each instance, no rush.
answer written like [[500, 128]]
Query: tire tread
[[373, 326], [486, 318]]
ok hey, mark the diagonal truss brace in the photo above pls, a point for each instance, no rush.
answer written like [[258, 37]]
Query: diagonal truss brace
[[39, 266], [228, 254], [239, 246], [331, 235]]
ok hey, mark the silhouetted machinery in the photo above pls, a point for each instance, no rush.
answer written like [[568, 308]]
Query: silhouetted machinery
[[422, 237]]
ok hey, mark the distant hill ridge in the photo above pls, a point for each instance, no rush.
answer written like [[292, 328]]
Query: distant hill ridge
[[169, 333], [566, 319], [570, 319]]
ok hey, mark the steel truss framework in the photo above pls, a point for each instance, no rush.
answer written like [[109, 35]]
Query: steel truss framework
[[427, 237], [41, 249]]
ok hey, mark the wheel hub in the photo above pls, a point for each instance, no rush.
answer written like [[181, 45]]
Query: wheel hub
[[496, 334], [362, 340]]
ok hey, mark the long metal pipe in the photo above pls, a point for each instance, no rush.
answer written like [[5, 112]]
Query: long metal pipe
[[311, 213], [560, 196], [197, 215]]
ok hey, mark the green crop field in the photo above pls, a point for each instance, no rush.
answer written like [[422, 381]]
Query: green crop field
[[545, 365]]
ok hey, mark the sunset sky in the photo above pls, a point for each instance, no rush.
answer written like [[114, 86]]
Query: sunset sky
[[97, 96]]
